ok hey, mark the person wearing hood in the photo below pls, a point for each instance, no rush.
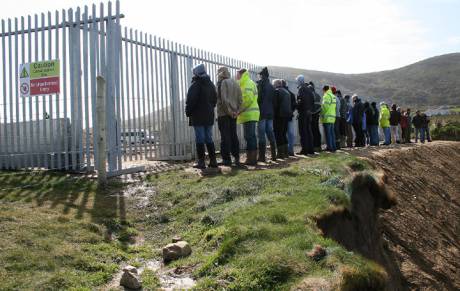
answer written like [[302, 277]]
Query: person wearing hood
[[305, 107], [248, 115], [229, 99], [266, 94], [328, 115], [199, 108], [384, 122], [315, 118], [358, 114], [291, 129], [282, 114]]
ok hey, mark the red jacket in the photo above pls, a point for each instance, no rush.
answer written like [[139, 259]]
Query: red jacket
[[404, 121]]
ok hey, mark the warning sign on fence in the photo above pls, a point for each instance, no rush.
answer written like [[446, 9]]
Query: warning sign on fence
[[39, 78]]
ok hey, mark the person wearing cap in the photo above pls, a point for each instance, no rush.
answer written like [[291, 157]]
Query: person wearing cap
[[229, 99], [248, 114], [305, 107], [266, 94], [282, 114], [328, 115], [199, 108], [315, 118], [291, 129], [384, 122], [349, 121]]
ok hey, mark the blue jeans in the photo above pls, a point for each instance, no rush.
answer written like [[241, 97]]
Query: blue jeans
[[249, 129], [330, 136], [420, 132], [374, 134], [291, 136], [387, 134], [265, 127], [203, 134]]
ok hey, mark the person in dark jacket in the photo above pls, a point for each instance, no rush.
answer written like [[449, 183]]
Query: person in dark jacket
[[305, 107], [266, 93], [419, 121], [367, 115], [343, 119], [199, 108], [282, 114], [358, 111], [315, 118], [349, 121], [426, 126], [373, 124], [291, 129], [395, 118]]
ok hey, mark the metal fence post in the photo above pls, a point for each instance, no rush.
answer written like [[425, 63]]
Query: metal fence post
[[101, 134]]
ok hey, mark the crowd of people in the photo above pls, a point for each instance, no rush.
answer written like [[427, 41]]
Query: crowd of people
[[266, 109]]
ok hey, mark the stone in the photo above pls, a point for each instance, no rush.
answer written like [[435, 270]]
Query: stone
[[130, 278], [174, 251], [317, 253], [176, 239]]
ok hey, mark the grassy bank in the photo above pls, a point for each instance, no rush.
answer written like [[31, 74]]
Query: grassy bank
[[60, 232], [249, 230]]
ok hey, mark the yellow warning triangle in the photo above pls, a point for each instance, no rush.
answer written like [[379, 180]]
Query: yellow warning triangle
[[24, 73]]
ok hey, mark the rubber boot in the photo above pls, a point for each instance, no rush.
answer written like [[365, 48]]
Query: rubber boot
[[200, 154], [273, 151], [212, 155], [262, 158], [237, 161], [251, 158]]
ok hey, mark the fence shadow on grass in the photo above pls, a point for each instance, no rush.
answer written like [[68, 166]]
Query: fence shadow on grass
[[73, 195]]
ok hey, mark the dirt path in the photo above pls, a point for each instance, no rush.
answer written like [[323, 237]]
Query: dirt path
[[423, 230]]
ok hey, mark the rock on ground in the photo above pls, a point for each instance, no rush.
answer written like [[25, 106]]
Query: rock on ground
[[130, 278], [174, 251]]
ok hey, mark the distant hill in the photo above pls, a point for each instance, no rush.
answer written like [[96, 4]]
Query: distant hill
[[434, 81]]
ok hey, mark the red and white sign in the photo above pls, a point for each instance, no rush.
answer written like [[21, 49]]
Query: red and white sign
[[39, 78], [44, 86]]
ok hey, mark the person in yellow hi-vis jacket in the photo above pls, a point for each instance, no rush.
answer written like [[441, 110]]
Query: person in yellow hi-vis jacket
[[249, 114], [384, 122], [328, 115]]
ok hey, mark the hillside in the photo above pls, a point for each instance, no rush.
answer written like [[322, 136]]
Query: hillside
[[434, 81]]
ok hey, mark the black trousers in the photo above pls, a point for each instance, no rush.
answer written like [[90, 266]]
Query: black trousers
[[315, 130], [280, 126], [306, 133], [359, 139], [229, 142]]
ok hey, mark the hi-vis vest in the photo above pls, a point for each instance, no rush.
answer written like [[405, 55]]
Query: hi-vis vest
[[250, 106], [384, 116], [328, 113]]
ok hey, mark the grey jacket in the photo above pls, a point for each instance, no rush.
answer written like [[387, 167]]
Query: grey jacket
[[229, 97]]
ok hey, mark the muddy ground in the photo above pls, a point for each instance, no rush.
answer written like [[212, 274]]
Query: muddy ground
[[422, 232]]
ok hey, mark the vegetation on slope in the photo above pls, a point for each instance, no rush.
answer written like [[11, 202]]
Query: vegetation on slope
[[433, 81], [249, 230]]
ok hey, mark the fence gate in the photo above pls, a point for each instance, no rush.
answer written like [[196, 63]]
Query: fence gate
[[56, 131], [147, 78]]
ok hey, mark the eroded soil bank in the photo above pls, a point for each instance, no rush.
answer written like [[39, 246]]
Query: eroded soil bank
[[422, 232]]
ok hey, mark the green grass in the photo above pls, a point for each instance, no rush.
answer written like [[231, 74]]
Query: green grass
[[250, 230], [55, 232]]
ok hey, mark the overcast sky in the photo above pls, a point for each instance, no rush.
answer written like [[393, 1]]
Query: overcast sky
[[346, 36]]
